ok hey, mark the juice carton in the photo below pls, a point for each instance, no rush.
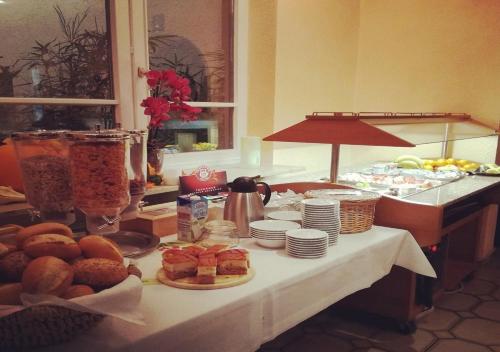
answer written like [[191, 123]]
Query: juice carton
[[192, 212]]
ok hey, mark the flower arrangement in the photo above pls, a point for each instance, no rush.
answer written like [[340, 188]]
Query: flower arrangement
[[169, 93]]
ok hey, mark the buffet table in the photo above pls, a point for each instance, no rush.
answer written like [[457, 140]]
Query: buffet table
[[284, 292]]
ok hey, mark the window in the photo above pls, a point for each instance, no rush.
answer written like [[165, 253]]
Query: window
[[195, 38], [55, 65], [73, 64]]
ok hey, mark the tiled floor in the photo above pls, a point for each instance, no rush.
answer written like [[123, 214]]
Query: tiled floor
[[465, 321]]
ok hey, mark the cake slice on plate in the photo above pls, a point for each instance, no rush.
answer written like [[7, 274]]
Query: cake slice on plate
[[232, 262], [207, 269], [194, 250], [215, 249], [180, 266]]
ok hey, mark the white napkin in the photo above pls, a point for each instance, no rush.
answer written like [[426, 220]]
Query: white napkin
[[121, 301]]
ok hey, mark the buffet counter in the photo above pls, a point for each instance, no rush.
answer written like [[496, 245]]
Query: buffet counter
[[454, 191], [284, 292]]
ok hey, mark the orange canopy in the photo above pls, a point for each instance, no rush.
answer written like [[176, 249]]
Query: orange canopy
[[337, 130]]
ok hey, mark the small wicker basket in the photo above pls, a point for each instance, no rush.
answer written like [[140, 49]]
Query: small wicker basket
[[357, 208], [43, 325]]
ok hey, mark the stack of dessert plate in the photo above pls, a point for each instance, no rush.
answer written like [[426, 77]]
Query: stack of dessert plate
[[322, 214], [288, 215], [306, 243], [271, 233]]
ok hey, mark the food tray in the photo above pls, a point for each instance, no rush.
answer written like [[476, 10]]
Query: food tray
[[134, 244], [221, 281]]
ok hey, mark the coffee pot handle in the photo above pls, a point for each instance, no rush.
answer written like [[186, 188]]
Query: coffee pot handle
[[267, 190]]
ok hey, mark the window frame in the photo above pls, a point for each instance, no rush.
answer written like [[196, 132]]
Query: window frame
[[129, 47], [239, 104], [118, 16]]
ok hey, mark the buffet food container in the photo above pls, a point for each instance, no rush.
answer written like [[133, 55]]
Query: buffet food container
[[44, 161], [137, 169], [98, 163]]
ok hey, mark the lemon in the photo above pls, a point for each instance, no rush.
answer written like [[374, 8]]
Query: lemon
[[462, 162], [440, 162], [428, 167], [450, 161], [470, 166]]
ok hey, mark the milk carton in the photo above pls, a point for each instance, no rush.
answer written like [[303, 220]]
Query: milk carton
[[192, 212]]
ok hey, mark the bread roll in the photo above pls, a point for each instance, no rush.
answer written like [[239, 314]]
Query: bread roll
[[10, 293], [52, 245], [47, 227], [47, 275], [12, 266], [94, 246], [77, 291], [99, 273]]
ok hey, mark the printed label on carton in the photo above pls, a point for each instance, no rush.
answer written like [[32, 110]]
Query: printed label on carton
[[192, 212]]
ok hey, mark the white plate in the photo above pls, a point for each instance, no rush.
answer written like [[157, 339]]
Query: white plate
[[270, 243], [268, 237], [274, 225], [317, 202], [306, 245], [289, 215], [307, 256], [312, 234], [299, 251]]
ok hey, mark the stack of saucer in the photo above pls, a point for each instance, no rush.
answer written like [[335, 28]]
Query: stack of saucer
[[271, 233], [322, 214], [306, 243]]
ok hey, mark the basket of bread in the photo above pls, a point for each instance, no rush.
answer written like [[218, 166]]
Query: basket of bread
[[53, 287]]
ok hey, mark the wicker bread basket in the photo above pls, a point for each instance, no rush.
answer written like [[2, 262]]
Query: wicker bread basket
[[43, 325], [357, 208]]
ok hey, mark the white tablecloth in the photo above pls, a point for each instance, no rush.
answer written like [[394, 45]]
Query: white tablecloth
[[284, 292]]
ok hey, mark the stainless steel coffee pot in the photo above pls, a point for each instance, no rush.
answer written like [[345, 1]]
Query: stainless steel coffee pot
[[244, 203]]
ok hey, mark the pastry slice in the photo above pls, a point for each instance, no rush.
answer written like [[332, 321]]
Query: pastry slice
[[180, 266], [207, 269], [194, 250], [171, 252], [215, 249], [232, 262]]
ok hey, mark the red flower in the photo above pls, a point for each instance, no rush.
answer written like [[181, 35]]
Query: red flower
[[157, 108], [169, 92], [169, 77], [154, 77]]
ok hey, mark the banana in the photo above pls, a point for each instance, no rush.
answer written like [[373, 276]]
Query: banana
[[408, 164], [413, 158]]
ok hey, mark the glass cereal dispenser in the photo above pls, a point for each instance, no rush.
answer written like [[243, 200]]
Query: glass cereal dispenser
[[44, 161], [98, 163], [136, 172]]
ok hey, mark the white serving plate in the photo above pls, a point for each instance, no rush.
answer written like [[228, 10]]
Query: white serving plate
[[274, 225]]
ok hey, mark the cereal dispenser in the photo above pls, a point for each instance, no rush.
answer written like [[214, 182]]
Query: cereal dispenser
[[44, 161], [136, 172], [98, 163]]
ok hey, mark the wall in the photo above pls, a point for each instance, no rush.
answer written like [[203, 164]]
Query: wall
[[386, 55], [425, 55], [316, 49], [261, 71]]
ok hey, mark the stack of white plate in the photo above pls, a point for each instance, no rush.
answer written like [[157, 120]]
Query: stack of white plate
[[288, 215], [322, 214], [271, 233], [306, 243]]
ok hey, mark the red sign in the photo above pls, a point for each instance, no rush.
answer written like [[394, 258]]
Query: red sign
[[203, 181]]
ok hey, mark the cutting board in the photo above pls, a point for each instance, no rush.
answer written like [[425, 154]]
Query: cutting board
[[221, 281]]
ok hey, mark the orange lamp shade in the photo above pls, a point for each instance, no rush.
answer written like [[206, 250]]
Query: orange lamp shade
[[332, 130]]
